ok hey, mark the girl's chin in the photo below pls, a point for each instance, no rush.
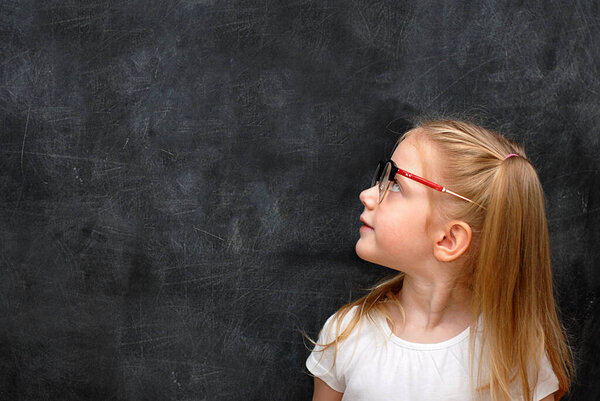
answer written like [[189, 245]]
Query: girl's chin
[[358, 249], [363, 253], [369, 256]]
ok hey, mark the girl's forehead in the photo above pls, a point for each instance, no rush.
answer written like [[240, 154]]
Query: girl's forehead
[[416, 155], [409, 155]]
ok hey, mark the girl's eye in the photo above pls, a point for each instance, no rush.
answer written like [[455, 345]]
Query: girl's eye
[[395, 187]]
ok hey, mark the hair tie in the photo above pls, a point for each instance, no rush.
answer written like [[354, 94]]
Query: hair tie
[[511, 155]]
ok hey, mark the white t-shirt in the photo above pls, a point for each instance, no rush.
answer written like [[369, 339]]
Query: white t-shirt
[[373, 364]]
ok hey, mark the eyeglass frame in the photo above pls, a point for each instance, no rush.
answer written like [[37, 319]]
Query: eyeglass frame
[[381, 166]]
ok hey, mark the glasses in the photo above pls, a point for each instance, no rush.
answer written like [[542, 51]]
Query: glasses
[[387, 170]]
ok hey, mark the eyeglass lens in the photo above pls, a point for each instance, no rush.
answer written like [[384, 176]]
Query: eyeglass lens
[[384, 180], [381, 178], [377, 175]]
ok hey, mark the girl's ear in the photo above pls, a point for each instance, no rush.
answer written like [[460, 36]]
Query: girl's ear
[[452, 241]]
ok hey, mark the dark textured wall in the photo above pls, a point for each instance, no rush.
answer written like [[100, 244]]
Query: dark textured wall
[[180, 179]]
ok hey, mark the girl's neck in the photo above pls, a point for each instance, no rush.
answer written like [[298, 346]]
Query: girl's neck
[[428, 305]]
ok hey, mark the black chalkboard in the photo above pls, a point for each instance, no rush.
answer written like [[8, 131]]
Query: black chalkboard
[[180, 179]]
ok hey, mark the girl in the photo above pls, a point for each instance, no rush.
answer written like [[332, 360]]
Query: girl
[[471, 314]]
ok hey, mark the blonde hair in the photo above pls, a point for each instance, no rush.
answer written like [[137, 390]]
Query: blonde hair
[[509, 261]]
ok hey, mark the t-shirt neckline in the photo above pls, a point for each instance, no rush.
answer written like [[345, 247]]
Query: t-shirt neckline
[[423, 346]]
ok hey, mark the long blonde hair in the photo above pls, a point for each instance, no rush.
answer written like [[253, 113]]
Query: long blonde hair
[[509, 260]]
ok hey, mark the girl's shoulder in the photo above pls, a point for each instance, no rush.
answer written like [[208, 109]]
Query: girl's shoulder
[[340, 319], [349, 322]]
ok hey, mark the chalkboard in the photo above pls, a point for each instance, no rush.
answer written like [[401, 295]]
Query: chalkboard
[[180, 179]]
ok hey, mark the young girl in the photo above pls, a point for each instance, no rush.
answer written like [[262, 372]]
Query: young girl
[[459, 212]]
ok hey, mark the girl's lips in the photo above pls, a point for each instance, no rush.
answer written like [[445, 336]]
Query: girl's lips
[[365, 224]]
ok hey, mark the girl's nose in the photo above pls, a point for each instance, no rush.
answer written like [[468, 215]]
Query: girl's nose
[[369, 197]]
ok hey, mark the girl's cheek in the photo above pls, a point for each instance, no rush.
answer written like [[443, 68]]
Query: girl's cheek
[[392, 235]]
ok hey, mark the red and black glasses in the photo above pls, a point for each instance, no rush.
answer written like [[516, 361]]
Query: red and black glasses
[[387, 170]]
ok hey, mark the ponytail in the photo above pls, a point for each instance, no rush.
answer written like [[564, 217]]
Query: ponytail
[[513, 281]]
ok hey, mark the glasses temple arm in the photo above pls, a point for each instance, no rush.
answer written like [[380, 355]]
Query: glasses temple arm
[[444, 189]]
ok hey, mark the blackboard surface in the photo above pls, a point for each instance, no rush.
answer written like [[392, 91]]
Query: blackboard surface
[[180, 179]]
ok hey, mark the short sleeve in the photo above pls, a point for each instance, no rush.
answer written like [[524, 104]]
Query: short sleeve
[[547, 381], [321, 362]]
